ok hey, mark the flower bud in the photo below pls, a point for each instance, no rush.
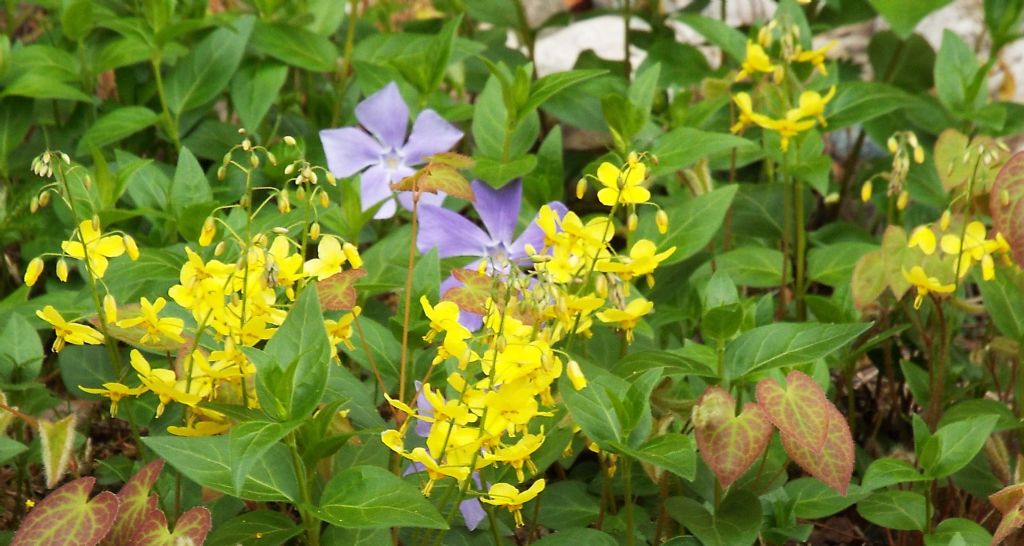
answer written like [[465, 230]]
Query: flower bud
[[601, 286], [247, 145], [32, 272], [272, 158], [865, 192], [254, 160], [325, 200], [314, 231], [66, 158], [33, 205], [219, 249], [1004, 198], [222, 173], [581, 188], [572, 369], [284, 205], [331, 179], [300, 194], [918, 155], [352, 253], [130, 247], [62, 270], [902, 200], [892, 145], [109, 308], [832, 198], [208, 231], [661, 219], [944, 220], [96, 222], [44, 199], [289, 169], [86, 181], [632, 222], [530, 250], [289, 140]]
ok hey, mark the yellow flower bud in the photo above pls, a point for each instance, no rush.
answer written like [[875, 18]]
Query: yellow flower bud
[[222, 173], [284, 205], [902, 200], [33, 205], [944, 220], [314, 231], [919, 155], [254, 160], [109, 308], [581, 188], [32, 272], [331, 179], [289, 169], [272, 158], [44, 199], [325, 200], [530, 250], [219, 249], [289, 140], [130, 247], [1004, 198], [892, 145], [661, 219], [601, 286], [572, 369], [62, 270], [632, 221], [87, 182], [865, 192], [208, 231], [247, 145], [352, 253]]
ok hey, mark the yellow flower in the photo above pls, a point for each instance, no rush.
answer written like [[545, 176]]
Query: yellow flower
[[788, 127], [579, 381], [156, 327], [812, 104], [518, 455], [68, 332], [200, 428], [287, 267], [504, 494], [330, 258], [164, 384], [746, 106], [620, 186], [925, 284], [628, 317], [969, 250], [816, 56], [757, 61], [115, 392], [924, 238], [643, 259], [99, 248]]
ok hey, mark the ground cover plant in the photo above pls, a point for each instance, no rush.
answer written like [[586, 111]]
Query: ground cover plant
[[330, 272]]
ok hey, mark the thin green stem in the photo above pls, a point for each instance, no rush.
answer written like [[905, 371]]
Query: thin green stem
[[311, 523], [404, 363], [627, 491], [801, 249], [170, 121]]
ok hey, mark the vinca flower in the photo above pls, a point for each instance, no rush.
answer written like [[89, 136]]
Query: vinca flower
[[382, 153]]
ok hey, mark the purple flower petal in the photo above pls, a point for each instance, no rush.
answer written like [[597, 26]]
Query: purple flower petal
[[432, 199], [425, 409], [449, 233], [431, 134], [533, 235], [386, 115], [499, 209], [349, 150], [472, 512], [373, 188], [413, 468]]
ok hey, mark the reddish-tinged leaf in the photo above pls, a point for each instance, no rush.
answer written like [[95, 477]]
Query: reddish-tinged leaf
[[437, 177], [452, 159], [67, 517], [472, 296], [135, 503], [833, 464], [800, 410], [190, 529], [1007, 498], [1012, 520], [338, 292], [1007, 205], [728, 443]]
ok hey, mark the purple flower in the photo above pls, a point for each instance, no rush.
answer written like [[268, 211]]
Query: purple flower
[[453, 235], [382, 152]]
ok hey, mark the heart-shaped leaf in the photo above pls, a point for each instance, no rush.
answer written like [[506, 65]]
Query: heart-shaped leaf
[[799, 409], [56, 440], [473, 294], [135, 503], [1007, 205], [67, 516], [833, 463], [437, 177], [191, 528], [728, 443], [338, 292]]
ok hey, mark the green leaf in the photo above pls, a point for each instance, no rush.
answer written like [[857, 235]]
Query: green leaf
[[904, 16], [259, 528], [813, 499], [567, 504], [369, 497], [300, 347], [15, 120], [10, 449], [254, 89], [732, 41], [787, 344], [691, 359], [970, 531], [833, 264], [496, 173], [546, 181], [206, 461], [955, 70], [190, 186], [201, 75], [385, 350], [38, 85], [552, 84], [56, 441], [117, 125], [954, 445], [857, 102], [67, 516], [683, 146], [295, 46], [490, 118], [691, 224], [888, 471], [574, 537], [594, 408], [76, 18], [899, 510], [21, 354], [736, 522], [249, 441], [671, 451], [753, 266]]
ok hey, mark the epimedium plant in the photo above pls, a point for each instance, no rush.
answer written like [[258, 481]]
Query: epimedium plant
[[343, 273]]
